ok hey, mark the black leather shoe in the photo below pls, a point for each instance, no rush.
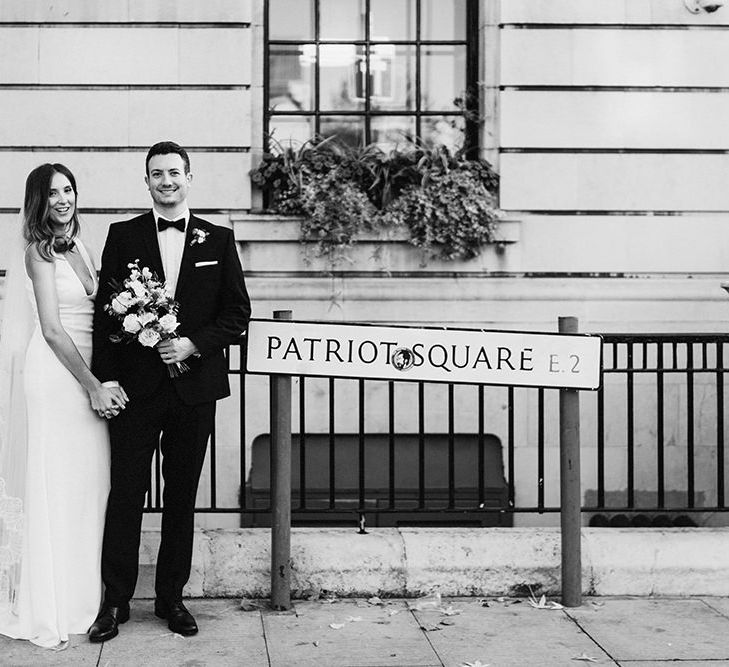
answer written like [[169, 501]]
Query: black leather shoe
[[179, 620], [106, 625]]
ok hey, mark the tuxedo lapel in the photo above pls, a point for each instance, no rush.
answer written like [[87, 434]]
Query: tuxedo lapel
[[149, 237], [188, 255]]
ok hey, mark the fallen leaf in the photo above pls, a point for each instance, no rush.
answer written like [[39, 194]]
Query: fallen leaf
[[478, 663], [430, 628], [429, 601], [354, 619], [543, 604], [316, 643], [312, 594], [336, 626], [507, 602], [375, 600], [250, 605], [585, 658], [447, 621], [392, 612], [484, 603], [449, 611]]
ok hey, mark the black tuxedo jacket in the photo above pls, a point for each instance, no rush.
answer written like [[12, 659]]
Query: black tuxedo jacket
[[214, 309]]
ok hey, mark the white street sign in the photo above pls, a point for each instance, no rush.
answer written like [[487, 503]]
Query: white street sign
[[428, 354]]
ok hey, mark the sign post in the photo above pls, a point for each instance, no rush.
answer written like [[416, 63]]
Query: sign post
[[281, 486], [569, 486]]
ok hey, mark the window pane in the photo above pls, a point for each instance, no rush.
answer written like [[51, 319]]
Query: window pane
[[390, 132], [290, 130], [341, 77], [348, 129], [442, 76], [443, 19], [291, 78], [392, 20], [291, 19], [446, 130], [392, 77], [341, 19]]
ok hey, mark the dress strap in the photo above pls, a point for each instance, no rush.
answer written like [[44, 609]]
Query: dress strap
[[86, 257]]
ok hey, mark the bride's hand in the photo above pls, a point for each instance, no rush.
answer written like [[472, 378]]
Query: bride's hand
[[107, 401]]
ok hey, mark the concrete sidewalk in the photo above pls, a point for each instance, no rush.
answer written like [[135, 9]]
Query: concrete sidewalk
[[635, 632]]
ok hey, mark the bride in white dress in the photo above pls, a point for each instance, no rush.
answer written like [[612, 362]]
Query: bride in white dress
[[54, 470]]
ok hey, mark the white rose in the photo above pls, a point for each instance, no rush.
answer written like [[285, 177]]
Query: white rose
[[148, 337], [146, 318], [118, 307], [121, 302], [126, 299], [137, 288], [168, 323], [146, 273], [131, 324]]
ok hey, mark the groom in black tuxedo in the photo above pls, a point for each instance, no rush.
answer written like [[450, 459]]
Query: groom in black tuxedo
[[200, 265]]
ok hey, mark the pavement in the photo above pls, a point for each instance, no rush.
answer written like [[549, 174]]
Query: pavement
[[629, 631]]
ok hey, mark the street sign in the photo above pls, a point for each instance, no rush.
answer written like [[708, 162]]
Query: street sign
[[427, 354]]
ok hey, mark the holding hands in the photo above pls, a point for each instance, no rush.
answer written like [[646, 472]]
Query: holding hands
[[108, 401]]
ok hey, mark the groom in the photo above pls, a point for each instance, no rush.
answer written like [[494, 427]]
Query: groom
[[200, 266]]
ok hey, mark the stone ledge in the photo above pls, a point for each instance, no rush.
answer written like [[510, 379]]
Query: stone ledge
[[487, 561]]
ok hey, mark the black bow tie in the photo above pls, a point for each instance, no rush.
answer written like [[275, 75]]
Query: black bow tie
[[163, 224]]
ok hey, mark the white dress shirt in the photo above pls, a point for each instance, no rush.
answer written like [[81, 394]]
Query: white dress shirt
[[171, 246]]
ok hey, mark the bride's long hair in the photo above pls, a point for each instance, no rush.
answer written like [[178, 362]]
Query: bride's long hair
[[37, 224]]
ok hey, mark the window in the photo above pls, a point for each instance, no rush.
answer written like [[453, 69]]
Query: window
[[371, 70]]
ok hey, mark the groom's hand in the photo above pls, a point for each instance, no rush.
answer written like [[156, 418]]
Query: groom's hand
[[175, 350]]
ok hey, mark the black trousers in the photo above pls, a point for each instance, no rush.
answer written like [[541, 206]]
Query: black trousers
[[182, 432]]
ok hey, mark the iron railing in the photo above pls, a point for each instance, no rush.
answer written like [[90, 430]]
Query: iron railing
[[394, 453]]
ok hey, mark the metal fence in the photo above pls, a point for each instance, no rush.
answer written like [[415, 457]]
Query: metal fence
[[397, 453]]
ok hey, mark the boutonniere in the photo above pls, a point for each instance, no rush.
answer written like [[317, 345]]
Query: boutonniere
[[199, 236]]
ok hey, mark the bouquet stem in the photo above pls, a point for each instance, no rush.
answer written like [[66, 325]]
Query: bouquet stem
[[177, 369]]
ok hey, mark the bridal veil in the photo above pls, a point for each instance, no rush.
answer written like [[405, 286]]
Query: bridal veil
[[15, 331]]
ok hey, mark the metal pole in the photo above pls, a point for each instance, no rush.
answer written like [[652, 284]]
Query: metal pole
[[281, 485], [570, 488]]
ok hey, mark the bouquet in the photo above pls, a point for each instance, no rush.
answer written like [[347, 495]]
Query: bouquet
[[146, 310]]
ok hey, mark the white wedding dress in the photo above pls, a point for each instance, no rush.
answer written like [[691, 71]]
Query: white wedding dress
[[67, 482]]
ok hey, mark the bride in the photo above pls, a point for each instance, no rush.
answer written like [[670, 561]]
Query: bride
[[54, 447]]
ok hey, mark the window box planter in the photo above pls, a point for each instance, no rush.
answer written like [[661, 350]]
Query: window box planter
[[273, 243], [439, 202]]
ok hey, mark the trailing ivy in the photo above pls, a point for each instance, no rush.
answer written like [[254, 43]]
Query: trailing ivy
[[451, 217]]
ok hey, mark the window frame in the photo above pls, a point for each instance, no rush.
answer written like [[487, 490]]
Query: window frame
[[471, 106]]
